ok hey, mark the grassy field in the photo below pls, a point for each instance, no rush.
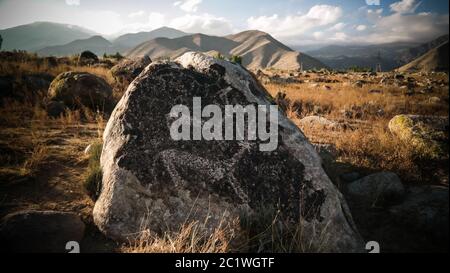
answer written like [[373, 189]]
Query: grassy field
[[365, 143]]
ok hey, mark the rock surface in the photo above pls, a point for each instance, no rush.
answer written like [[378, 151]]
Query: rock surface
[[428, 134], [76, 89], [128, 70], [40, 231], [320, 123], [425, 210], [377, 189], [55, 109], [153, 182]]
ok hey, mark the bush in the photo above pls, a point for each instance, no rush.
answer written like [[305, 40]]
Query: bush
[[236, 59], [219, 56], [94, 174]]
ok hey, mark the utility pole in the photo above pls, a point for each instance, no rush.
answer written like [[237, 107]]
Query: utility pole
[[378, 67]]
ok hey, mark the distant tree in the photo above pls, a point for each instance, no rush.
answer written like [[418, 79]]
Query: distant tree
[[118, 56], [88, 55], [360, 69], [105, 56], [236, 59], [1, 42]]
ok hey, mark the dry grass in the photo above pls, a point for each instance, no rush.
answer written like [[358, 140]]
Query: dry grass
[[367, 143], [191, 238], [393, 101], [263, 231], [27, 68]]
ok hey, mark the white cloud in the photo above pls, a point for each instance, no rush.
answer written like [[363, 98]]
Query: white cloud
[[338, 27], [339, 37], [104, 22], [361, 27], [294, 26], [155, 20], [188, 5], [137, 14], [73, 2], [405, 6], [205, 23], [400, 27]]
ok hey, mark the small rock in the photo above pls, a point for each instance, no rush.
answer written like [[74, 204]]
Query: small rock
[[40, 231], [55, 109], [434, 100], [377, 189]]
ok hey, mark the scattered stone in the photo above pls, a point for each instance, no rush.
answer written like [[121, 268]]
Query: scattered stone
[[320, 123], [434, 100], [359, 83]]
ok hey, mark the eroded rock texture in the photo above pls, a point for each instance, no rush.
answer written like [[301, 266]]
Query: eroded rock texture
[[151, 181]]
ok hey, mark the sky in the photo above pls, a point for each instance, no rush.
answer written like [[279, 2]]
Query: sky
[[294, 22]]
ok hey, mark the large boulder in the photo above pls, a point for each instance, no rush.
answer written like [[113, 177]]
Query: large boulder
[[427, 134], [77, 89], [128, 69], [40, 231], [151, 181]]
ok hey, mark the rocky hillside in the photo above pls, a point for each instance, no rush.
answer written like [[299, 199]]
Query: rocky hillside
[[434, 60]]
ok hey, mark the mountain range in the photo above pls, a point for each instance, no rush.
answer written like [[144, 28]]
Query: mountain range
[[35, 36], [257, 49]]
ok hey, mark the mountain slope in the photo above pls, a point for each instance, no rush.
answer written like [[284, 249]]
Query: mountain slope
[[410, 54], [35, 36], [257, 49], [132, 40], [434, 60], [390, 56], [96, 44]]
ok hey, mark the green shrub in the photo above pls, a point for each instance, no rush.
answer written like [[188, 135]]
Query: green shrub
[[219, 56], [236, 59], [94, 174]]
